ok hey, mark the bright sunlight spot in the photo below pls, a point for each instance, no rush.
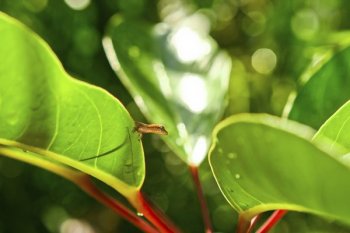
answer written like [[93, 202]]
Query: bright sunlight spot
[[199, 151], [189, 46], [264, 60], [75, 226], [193, 92], [77, 4]]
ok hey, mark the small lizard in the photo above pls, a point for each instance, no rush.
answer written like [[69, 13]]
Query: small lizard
[[150, 128], [141, 128]]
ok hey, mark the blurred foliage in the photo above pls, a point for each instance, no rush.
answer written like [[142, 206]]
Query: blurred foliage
[[271, 42]]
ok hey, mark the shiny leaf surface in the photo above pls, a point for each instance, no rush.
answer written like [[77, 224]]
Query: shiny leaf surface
[[264, 163], [45, 111], [326, 88]]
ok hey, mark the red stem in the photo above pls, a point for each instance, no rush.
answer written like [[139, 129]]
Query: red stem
[[203, 204], [85, 184], [153, 215], [83, 181], [271, 221]]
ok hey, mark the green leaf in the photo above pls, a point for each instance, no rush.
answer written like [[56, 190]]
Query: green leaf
[[327, 87], [264, 163], [337, 129], [43, 110], [177, 76], [307, 223]]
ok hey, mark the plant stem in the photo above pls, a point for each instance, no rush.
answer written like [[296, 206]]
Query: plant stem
[[82, 181], [153, 215], [271, 221], [203, 204], [86, 184], [243, 225]]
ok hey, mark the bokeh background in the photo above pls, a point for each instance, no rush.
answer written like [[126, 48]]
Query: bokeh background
[[271, 43]]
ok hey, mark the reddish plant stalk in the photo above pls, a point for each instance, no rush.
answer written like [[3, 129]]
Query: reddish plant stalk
[[243, 225], [203, 204], [271, 221], [152, 214], [85, 184]]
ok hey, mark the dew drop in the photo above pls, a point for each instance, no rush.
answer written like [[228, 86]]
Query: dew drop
[[232, 155], [237, 176], [220, 150], [140, 214]]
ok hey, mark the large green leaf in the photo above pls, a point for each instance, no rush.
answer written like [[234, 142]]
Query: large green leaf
[[327, 87], [263, 163], [44, 110], [177, 76]]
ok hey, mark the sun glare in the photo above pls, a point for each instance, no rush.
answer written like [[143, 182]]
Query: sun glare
[[199, 151], [193, 92], [189, 46]]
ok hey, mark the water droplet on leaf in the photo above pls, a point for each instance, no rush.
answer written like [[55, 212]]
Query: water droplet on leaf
[[232, 155], [237, 176]]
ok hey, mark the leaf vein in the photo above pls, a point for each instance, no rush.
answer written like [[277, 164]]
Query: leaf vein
[[56, 123], [99, 120]]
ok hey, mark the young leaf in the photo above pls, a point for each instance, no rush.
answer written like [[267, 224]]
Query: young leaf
[[177, 76], [43, 110], [264, 163], [327, 87]]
